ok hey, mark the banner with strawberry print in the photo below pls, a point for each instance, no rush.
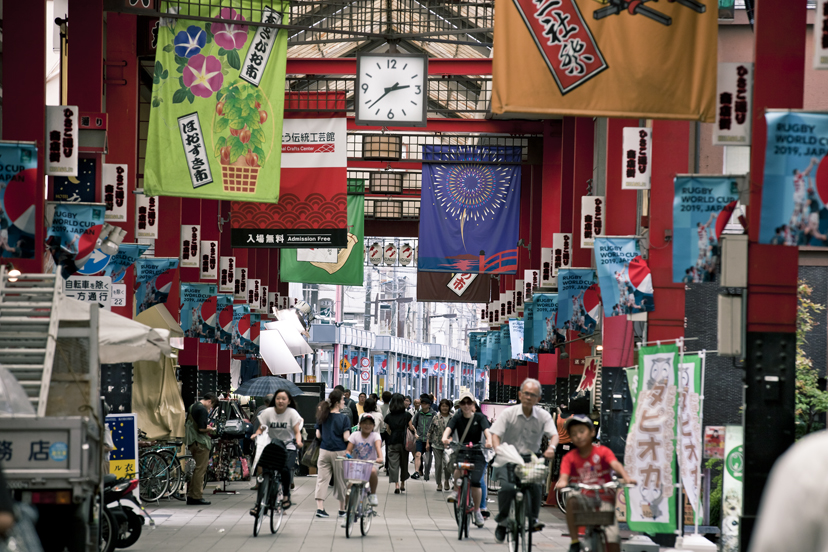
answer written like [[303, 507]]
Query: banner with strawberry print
[[215, 127]]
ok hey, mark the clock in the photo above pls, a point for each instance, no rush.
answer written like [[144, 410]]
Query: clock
[[392, 90]]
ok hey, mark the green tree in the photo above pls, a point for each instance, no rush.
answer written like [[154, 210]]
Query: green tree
[[810, 399]]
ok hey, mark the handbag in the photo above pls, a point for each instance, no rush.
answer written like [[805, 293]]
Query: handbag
[[233, 429], [410, 440], [311, 455]]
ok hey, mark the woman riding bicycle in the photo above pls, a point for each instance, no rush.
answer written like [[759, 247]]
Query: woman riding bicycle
[[284, 424], [470, 427], [366, 444]]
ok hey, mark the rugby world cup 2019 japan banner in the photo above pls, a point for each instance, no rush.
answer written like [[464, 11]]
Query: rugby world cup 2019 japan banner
[[119, 263], [380, 365], [153, 281], [347, 269], [505, 343], [17, 201], [224, 320], [795, 189], [215, 128], [626, 282], [563, 56], [313, 192], [690, 430], [516, 329], [73, 236], [544, 316], [702, 207], [649, 454], [579, 300], [469, 211], [198, 310]]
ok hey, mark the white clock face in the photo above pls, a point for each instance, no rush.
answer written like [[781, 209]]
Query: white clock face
[[391, 90]]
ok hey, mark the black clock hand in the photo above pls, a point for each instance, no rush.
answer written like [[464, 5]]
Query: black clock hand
[[388, 90]]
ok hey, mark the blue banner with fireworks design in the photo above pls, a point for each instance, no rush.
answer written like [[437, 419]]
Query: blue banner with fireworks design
[[470, 209], [579, 300]]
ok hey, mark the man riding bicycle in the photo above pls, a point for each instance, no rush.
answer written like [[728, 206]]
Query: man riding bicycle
[[522, 426]]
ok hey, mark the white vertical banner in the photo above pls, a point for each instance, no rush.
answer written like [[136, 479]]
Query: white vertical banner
[[263, 296], [505, 305], [254, 293], [272, 302], [734, 96], [190, 245], [459, 283], [209, 260], [638, 148], [561, 252], [114, 180], [531, 282], [690, 430], [146, 216], [61, 140], [546, 272], [227, 274], [732, 487], [240, 284], [519, 295], [592, 220], [821, 36]]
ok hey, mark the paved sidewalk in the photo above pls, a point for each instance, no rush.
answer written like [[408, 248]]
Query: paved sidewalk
[[416, 521]]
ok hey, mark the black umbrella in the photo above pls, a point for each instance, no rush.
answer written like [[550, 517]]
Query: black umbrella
[[260, 387]]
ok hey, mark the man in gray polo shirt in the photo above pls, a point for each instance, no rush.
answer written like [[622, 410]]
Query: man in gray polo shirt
[[522, 426]]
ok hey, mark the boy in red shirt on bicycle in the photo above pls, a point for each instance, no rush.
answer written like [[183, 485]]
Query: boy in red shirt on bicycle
[[593, 465]]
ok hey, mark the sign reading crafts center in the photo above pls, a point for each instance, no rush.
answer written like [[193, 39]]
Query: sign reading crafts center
[[565, 56], [217, 101]]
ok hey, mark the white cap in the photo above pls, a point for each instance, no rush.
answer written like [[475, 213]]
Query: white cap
[[466, 395]]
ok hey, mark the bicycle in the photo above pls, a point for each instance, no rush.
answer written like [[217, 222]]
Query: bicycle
[[592, 514], [463, 506], [520, 521], [357, 474], [163, 470], [271, 494]]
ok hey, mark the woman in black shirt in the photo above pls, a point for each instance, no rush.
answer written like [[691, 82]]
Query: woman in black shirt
[[396, 423]]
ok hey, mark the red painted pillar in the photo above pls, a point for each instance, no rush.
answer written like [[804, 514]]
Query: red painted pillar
[[190, 215], [24, 98], [208, 352], [168, 244], [223, 357], [621, 205], [582, 161], [122, 108], [671, 141]]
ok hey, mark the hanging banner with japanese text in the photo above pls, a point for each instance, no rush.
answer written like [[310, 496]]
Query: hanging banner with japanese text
[[638, 154], [732, 487], [198, 305], [313, 208], [820, 36], [445, 287], [209, 260], [227, 274], [240, 284], [470, 209], [146, 216], [649, 457], [795, 189], [218, 93], [516, 328], [579, 300], [347, 270], [563, 57], [153, 281], [626, 282], [592, 219], [128, 254], [123, 460], [62, 138], [734, 97], [190, 245], [531, 282], [544, 317], [702, 208], [18, 198], [73, 235], [690, 430], [89, 289], [114, 181]]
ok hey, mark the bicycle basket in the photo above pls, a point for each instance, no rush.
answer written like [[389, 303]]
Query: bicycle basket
[[594, 518], [274, 456], [357, 470], [532, 473]]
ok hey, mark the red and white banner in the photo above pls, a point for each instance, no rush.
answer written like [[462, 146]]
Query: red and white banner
[[190, 245], [638, 156], [734, 96]]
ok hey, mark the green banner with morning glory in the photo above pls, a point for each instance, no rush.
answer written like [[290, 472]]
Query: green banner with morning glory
[[217, 102]]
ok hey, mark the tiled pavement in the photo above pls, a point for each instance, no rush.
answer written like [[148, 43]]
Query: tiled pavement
[[419, 520]]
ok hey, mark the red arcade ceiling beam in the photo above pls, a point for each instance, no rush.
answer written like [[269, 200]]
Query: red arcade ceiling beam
[[347, 66]]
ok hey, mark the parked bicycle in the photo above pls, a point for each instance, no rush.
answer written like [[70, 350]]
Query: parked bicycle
[[163, 470], [592, 513], [271, 494], [520, 522], [463, 505], [357, 474]]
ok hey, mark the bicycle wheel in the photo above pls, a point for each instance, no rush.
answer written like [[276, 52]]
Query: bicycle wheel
[[367, 515], [351, 513], [463, 510], [264, 490], [154, 478], [109, 530], [560, 498], [595, 541], [187, 468], [526, 525], [176, 474], [276, 510], [513, 537]]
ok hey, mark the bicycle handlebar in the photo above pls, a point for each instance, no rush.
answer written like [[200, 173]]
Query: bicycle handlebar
[[458, 446], [608, 486]]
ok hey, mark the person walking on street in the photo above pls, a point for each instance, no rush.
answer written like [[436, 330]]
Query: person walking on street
[[283, 423], [420, 425], [332, 429], [197, 438], [564, 442], [383, 408], [350, 405], [470, 427], [370, 408], [524, 427], [442, 469], [396, 424], [360, 406], [408, 407]]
